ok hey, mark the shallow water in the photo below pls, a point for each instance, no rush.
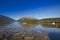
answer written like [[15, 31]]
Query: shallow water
[[17, 31]]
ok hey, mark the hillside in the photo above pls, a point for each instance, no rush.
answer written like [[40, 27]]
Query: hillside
[[28, 20], [5, 20], [50, 20]]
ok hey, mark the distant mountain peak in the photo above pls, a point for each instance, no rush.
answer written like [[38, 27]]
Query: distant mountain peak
[[1, 15], [28, 17]]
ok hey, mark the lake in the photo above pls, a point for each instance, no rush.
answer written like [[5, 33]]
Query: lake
[[19, 31]]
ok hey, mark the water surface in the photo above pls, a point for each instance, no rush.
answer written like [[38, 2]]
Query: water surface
[[18, 31]]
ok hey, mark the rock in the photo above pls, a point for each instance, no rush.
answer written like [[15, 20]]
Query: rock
[[1, 36]]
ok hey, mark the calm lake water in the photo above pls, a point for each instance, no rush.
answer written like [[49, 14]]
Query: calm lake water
[[16, 27]]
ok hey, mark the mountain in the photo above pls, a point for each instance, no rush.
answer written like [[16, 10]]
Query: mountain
[[28, 17], [5, 20], [50, 20], [27, 20]]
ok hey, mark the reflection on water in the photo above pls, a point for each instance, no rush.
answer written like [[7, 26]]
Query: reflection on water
[[15, 31], [25, 25], [23, 31], [5, 23], [51, 25]]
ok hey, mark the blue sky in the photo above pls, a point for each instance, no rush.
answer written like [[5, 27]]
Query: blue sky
[[35, 8]]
